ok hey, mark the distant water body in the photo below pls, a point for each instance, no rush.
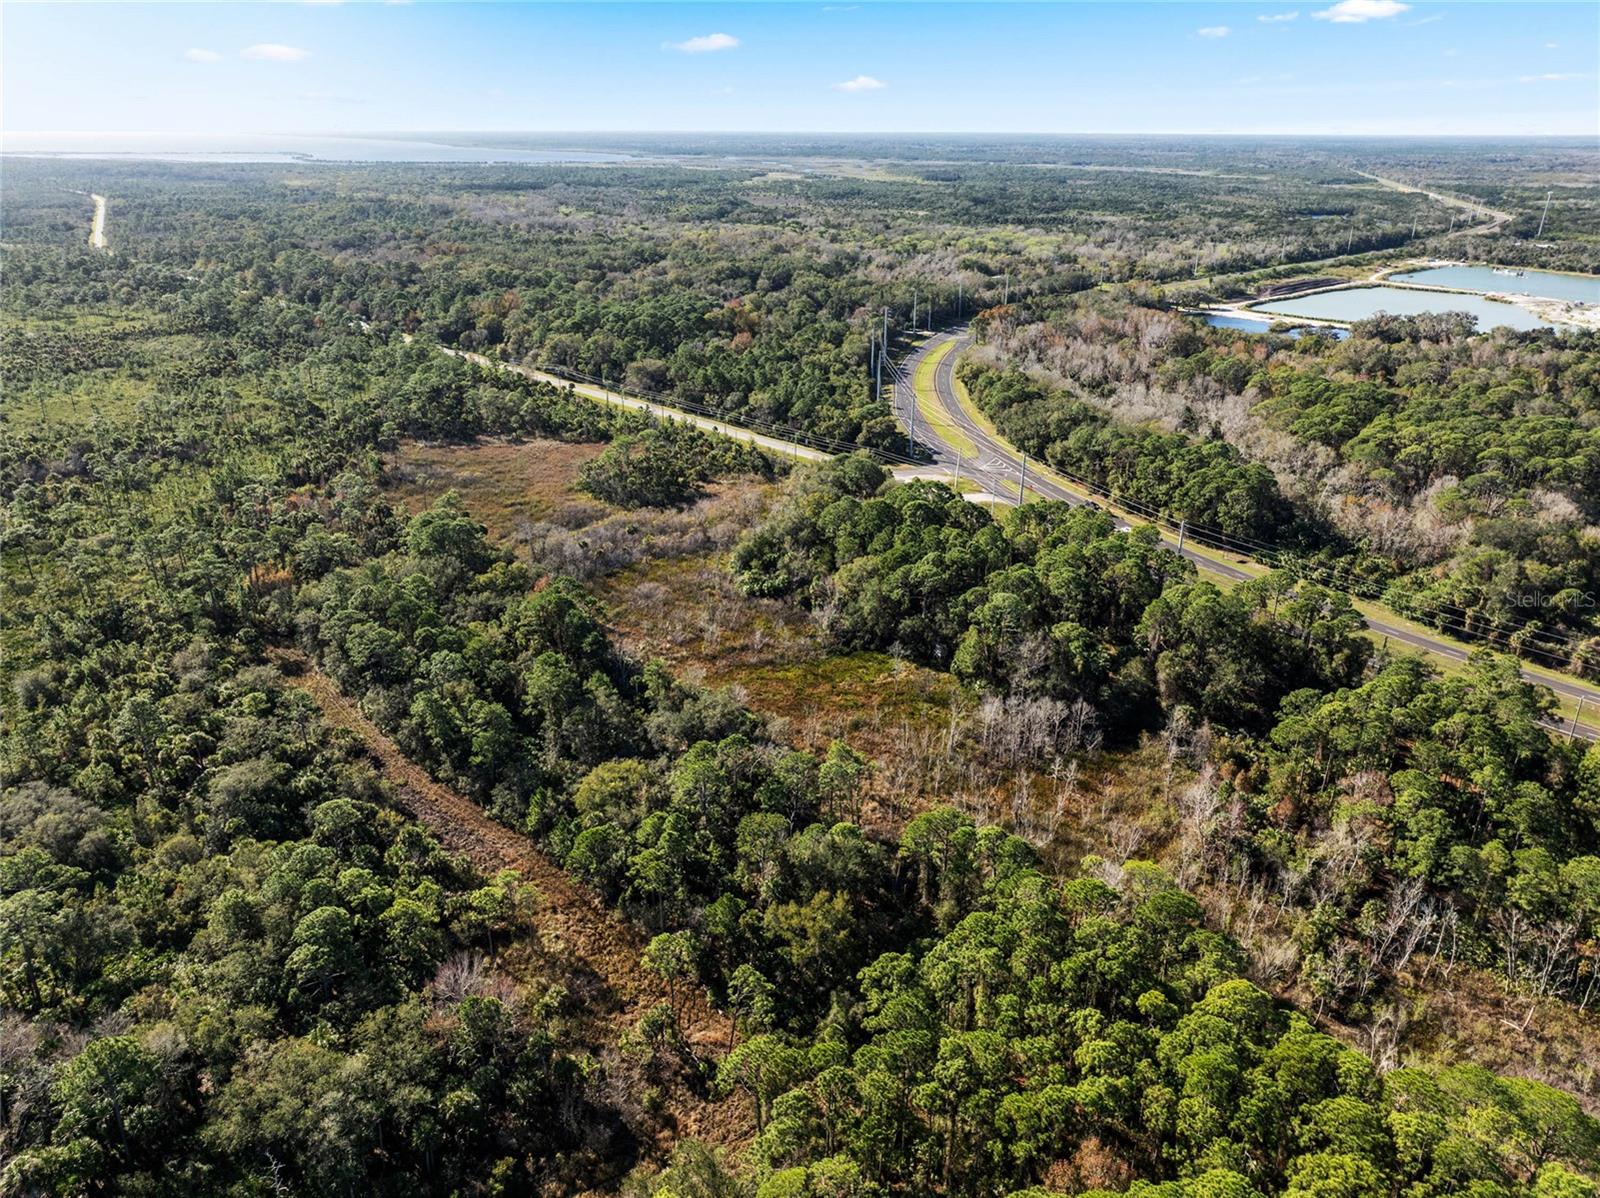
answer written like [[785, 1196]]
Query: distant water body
[[1358, 303], [174, 147], [1581, 289], [1246, 324]]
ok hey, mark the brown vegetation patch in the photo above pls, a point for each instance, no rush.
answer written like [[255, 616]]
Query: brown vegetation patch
[[505, 484], [1469, 1015], [928, 737]]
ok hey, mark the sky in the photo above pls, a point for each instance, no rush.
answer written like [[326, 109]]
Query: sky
[[1364, 67]]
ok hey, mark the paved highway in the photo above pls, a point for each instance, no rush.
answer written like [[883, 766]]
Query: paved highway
[[956, 441]]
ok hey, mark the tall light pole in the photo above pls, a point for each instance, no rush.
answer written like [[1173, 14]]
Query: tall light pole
[[883, 348], [911, 422]]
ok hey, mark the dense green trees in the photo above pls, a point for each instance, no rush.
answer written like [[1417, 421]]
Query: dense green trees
[[666, 799], [665, 466], [1092, 1033], [256, 922], [1207, 482], [1437, 808]]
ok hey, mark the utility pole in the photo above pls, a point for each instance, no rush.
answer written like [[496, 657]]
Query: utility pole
[[1183, 531], [883, 345], [913, 309], [911, 420], [1544, 214], [1022, 484], [1577, 715], [883, 349]]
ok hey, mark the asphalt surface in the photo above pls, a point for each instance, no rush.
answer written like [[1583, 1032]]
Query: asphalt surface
[[998, 469]]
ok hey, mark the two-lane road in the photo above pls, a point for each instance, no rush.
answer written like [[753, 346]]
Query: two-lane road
[[960, 442]]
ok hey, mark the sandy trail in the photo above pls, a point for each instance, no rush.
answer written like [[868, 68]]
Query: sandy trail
[[604, 395], [97, 231], [571, 926], [1493, 218]]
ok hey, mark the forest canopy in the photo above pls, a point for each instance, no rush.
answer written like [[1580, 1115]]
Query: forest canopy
[[355, 839]]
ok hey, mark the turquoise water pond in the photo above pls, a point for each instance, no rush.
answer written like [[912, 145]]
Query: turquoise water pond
[[1358, 303], [1582, 289]]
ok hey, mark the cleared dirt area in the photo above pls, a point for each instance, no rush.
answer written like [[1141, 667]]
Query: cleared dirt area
[[595, 950]]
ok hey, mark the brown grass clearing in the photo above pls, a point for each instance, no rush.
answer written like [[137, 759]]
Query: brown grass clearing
[[505, 484], [525, 493], [1470, 1016], [921, 728]]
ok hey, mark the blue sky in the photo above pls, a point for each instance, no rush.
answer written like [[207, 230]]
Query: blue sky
[[1355, 66]]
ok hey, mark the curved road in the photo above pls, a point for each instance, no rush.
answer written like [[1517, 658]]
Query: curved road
[[957, 442]]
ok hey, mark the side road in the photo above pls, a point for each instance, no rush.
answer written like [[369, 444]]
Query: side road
[[605, 395]]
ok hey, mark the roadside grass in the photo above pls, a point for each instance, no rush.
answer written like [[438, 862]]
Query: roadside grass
[[1038, 468], [928, 405]]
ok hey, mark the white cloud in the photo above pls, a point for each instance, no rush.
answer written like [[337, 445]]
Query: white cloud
[[707, 44], [1552, 45], [274, 52], [861, 83], [1213, 31], [1355, 12], [1439, 16], [199, 55], [1274, 18], [1551, 77]]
